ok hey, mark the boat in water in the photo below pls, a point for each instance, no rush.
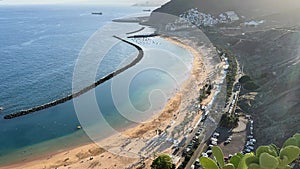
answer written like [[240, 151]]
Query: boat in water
[[96, 13], [1, 108]]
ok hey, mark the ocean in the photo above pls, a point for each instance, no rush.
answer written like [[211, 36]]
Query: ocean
[[39, 48]]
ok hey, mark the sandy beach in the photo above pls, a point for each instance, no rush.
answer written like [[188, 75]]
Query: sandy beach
[[132, 147]]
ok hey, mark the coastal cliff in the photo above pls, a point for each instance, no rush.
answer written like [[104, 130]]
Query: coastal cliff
[[265, 39]]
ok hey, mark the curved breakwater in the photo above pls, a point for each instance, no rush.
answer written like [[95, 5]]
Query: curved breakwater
[[84, 90], [139, 30]]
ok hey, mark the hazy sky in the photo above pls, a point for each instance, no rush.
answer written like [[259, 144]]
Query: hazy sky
[[123, 2]]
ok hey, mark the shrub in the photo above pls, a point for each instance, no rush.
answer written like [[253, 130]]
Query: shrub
[[245, 79], [250, 85], [266, 157], [162, 162], [229, 121]]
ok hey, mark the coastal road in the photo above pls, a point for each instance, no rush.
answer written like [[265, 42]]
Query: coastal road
[[195, 156]]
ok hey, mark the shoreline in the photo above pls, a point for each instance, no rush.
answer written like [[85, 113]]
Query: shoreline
[[142, 132]]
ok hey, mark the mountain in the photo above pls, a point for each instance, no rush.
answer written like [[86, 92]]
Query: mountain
[[266, 42], [151, 3]]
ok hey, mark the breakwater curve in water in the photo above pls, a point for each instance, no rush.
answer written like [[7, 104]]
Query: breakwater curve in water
[[84, 90]]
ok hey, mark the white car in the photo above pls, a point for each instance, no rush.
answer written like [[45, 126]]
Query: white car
[[247, 150], [249, 143], [208, 152], [250, 148], [213, 139], [216, 134], [204, 155], [214, 143]]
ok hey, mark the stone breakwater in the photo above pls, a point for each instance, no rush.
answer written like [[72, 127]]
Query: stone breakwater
[[84, 90], [139, 30], [144, 36]]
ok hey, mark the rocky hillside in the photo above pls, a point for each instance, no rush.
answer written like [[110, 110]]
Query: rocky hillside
[[266, 41]]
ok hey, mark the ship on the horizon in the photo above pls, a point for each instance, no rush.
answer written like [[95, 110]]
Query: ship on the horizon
[[96, 13]]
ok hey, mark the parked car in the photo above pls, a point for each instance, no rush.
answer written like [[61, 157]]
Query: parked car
[[226, 159], [247, 150], [204, 155], [253, 140], [209, 152], [249, 143], [213, 139], [197, 165], [190, 144], [227, 142], [250, 148], [214, 143], [216, 135], [175, 151], [250, 136]]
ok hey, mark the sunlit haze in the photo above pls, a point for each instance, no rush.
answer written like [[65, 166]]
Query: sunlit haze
[[103, 2]]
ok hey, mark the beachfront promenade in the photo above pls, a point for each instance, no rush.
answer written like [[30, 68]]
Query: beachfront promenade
[[84, 90]]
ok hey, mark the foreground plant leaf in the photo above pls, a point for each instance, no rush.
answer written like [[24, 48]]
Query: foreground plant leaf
[[268, 161], [228, 166], [265, 149], [254, 166], [252, 159], [291, 152], [208, 163], [242, 164], [235, 160], [290, 142], [218, 154]]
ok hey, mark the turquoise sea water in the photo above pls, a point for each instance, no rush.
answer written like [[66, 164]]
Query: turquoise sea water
[[39, 46]]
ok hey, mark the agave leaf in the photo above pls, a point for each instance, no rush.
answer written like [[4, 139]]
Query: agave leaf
[[268, 161], [235, 160], [283, 161], [275, 149], [252, 159], [297, 137], [254, 166], [290, 142], [240, 155], [218, 154], [242, 164], [208, 163], [291, 152], [265, 149], [228, 166], [261, 149]]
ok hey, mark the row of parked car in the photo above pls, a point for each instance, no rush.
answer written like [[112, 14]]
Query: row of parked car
[[228, 140], [195, 141], [249, 146], [213, 142]]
